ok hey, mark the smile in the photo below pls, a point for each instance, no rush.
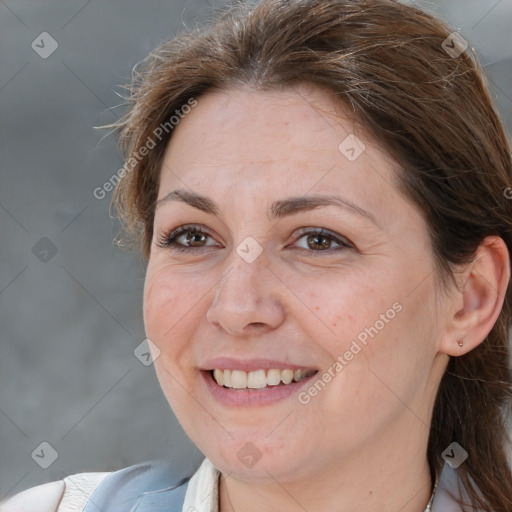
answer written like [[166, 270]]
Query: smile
[[258, 379]]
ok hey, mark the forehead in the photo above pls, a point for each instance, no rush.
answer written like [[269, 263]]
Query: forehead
[[301, 117], [295, 131]]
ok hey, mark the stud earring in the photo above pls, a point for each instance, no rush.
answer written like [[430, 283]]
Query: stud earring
[[460, 342]]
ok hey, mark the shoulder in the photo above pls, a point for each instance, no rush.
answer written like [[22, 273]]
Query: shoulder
[[145, 484], [71, 493], [153, 485]]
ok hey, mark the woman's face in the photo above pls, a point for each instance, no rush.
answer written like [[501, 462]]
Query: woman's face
[[256, 288]]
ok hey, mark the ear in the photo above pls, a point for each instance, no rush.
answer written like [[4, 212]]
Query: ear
[[476, 305]]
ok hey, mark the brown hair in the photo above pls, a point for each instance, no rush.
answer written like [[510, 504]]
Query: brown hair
[[430, 110]]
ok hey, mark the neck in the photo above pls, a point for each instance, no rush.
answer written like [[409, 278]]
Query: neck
[[384, 476], [411, 496]]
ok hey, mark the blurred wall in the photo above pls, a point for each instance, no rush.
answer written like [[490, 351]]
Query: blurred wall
[[70, 302]]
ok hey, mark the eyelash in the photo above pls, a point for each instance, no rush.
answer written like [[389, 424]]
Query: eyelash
[[168, 240]]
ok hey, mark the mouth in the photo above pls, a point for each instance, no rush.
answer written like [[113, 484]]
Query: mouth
[[258, 379]]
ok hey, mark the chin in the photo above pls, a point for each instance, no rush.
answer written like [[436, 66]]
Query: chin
[[255, 455]]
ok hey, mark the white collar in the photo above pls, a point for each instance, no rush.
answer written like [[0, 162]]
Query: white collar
[[203, 490]]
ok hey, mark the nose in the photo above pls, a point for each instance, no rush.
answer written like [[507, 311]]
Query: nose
[[247, 301]]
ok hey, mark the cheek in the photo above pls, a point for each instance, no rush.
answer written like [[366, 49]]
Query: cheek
[[367, 323], [175, 306], [167, 300], [337, 308], [158, 298]]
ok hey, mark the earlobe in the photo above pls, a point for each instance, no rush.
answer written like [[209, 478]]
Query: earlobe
[[476, 307]]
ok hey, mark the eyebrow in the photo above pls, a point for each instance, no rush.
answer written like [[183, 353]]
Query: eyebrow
[[277, 210]]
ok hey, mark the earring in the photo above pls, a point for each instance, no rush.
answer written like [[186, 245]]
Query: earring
[[460, 342]]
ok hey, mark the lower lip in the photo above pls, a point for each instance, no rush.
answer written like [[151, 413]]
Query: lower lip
[[252, 397]]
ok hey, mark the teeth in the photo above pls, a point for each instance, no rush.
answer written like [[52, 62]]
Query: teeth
[[238, 379], [258, 379], [219, 377], [298, 374], [287, 376], [273, 377]]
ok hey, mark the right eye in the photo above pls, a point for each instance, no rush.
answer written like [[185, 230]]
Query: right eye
[[185, 238]]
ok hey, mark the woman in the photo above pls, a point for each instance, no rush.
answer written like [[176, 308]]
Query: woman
[[320, 191]]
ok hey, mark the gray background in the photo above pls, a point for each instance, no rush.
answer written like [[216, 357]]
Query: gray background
[[69, 325]]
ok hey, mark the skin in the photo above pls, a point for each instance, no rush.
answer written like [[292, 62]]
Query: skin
[[364, 436]]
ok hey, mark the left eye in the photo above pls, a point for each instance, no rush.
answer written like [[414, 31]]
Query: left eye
[[320, 240], [189, 238]]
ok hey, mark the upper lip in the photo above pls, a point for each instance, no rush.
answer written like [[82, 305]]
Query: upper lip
[[249, 365]]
